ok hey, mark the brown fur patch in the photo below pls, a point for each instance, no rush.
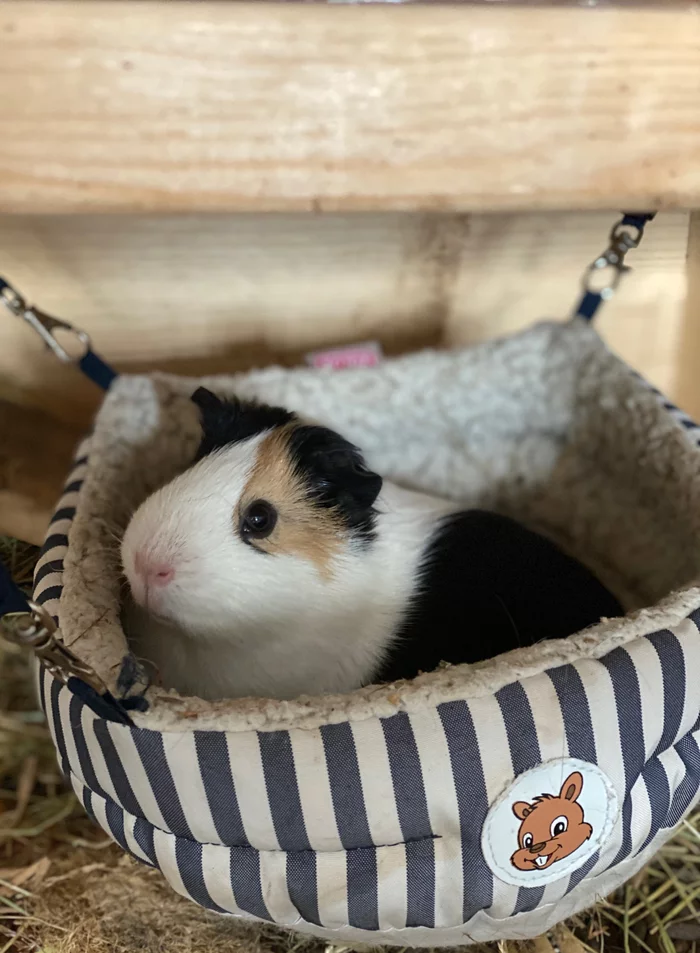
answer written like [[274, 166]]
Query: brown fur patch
[[303, 529]]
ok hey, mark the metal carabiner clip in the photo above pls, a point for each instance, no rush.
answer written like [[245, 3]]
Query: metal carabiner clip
[[44, 324], [600, 264], [36, 630], [624, 236]]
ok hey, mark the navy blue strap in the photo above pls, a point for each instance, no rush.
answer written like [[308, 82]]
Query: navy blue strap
[[105, 706], [97, 370], [46, 326], [636, 219], [588, 305], [12, 599]]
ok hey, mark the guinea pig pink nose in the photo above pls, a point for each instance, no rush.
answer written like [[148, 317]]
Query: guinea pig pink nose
[[160, 575], [153, 573]]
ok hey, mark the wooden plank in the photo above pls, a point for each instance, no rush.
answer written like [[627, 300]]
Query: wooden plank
[[212, 293], [151, 106]]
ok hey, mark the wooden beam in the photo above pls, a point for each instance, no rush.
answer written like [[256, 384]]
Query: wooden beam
[[112, 106]]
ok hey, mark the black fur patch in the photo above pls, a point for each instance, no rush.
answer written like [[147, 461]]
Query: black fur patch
[[489, 585], [225, 422], [336, 476]]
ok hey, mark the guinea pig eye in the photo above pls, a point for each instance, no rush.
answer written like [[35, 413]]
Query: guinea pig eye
[[527, 840], [258, 520], [559, 826]]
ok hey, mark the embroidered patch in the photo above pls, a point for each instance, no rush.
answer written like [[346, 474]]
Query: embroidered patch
[[549, 822]]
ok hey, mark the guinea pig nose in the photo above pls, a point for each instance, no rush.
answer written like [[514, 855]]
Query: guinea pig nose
[[160, 575], [153, 572]]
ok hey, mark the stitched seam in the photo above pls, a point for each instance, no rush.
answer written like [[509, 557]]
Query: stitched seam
[[258, 850]]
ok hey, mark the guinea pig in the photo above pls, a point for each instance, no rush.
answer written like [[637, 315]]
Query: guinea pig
[[279, 565]]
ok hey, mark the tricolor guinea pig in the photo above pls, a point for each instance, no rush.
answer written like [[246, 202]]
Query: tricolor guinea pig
[[279, 565]]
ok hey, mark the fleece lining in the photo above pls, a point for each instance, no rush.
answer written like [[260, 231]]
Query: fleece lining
[[546, 426]]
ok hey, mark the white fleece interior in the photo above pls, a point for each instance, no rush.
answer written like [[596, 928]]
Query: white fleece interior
[[546, 426]]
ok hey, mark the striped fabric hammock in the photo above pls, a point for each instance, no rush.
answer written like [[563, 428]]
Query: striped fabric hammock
[[399, 814]]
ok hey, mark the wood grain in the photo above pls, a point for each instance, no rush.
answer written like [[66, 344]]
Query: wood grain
[[150, 106]]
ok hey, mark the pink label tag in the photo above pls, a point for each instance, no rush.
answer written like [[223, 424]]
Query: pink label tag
[[368, 354]]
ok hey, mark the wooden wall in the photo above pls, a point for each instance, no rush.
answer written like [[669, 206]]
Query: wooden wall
[[377, 171], [196, 293]]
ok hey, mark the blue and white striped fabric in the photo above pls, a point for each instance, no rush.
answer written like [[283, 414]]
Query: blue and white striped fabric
[[373, 826]]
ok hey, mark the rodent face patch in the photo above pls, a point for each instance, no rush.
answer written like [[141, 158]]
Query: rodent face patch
[[303, 528], [549, 821]]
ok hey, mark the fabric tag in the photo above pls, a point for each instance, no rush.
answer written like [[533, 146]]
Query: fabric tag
[[367, 354]]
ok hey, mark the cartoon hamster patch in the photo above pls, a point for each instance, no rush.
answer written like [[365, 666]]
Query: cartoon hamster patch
[[548, 822], [552, 827]]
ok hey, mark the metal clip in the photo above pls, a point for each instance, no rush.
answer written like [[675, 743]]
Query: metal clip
[[44, 324], [37, 630], [620, 235], [621, 242], [607, 260]]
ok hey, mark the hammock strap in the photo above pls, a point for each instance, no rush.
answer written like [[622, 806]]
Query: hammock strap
[[46, 326], [28, 624], [25, 622], [603, 275]]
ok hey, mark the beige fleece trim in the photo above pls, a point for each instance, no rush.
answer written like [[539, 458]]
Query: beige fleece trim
[[546, 425]]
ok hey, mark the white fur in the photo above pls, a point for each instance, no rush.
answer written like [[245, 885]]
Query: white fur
[[245, 623]]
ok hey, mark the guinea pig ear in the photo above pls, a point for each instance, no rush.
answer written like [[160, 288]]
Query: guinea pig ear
[[206, 401], [214, 412], [225, 422], [218, 419], [336, 474]]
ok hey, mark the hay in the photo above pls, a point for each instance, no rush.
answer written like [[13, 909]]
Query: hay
[[65, 888]]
